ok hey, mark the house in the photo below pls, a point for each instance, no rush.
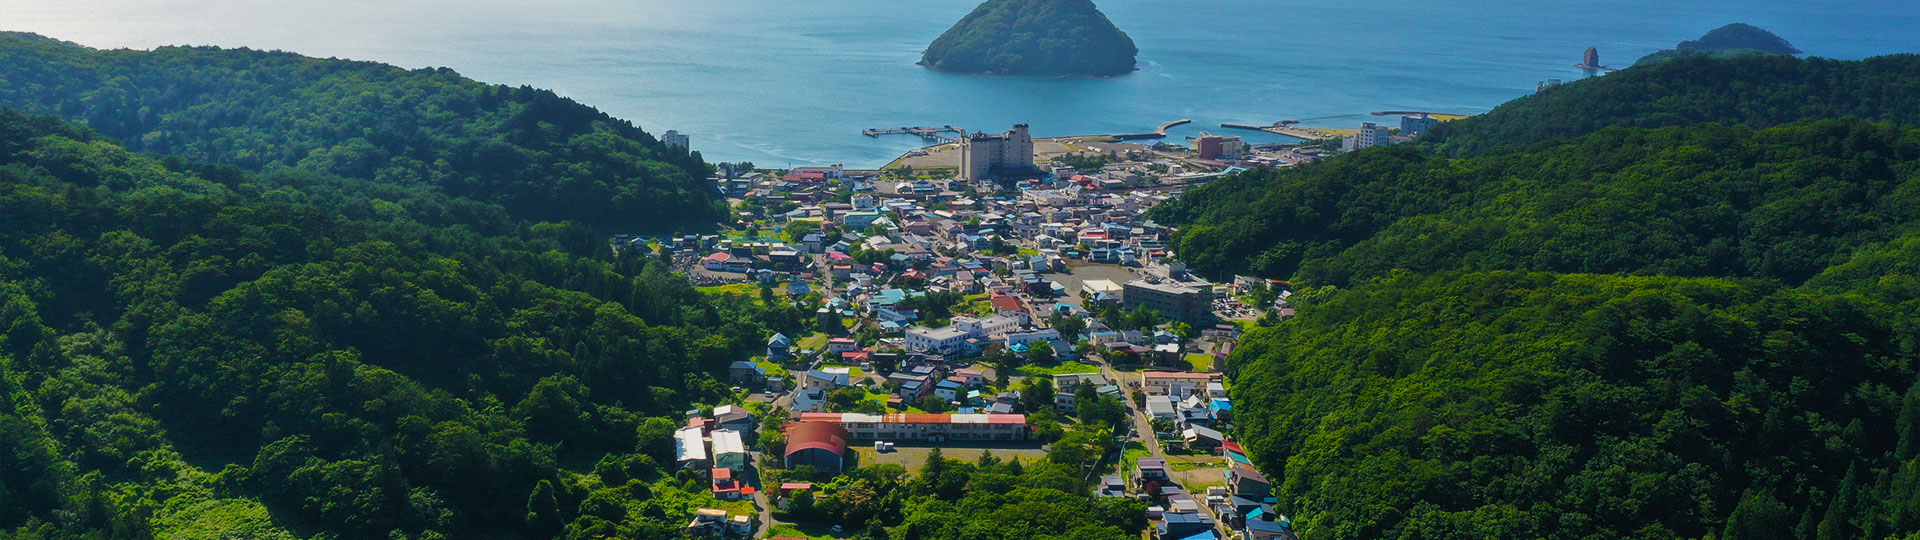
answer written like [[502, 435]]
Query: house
[[707, 521], [745, 373], [836, 346], [822, 445], [1112, 486], [779, 348], [1065, 399], [1183, 526], [948, 389], [1161, 408], [1011, 306], [729, 450], [972, 377], [690, 447], [716, 262], [1151, 469], [733, 417], [821, 380], [1202, 438], [1247, 482], [1268, 526], [724, 486]]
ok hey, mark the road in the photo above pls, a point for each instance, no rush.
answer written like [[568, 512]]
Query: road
[[1144, 427]]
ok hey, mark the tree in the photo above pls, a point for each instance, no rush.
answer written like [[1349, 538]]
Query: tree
[[543, 510], [1069, 326], [1040, 353], [932, 404]]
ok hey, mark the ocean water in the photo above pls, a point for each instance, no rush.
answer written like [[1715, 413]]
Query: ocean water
[[792, 82]]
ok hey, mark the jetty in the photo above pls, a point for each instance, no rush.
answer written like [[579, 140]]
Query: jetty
[[1287, 128], [1157, 134], [925, 132]]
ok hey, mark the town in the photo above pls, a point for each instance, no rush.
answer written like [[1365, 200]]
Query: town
[[994, 307]]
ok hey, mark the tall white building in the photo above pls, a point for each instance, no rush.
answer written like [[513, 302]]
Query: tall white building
[[981, 153], [674, 138], [1370, 135]]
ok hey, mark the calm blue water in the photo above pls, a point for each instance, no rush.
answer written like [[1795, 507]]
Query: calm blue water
[[784, 82]]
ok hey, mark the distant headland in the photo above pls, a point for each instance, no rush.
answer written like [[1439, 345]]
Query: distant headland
[[1735, 39], [1033, 37]]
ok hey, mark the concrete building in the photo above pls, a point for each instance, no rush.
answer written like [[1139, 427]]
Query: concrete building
[[990, 326], [1415, 124], [1177, 384], [1170, 299], [1369, 136], [674, 138], [981, 154], [943, 340], [729, 449], [927, 427], [1220, 147]]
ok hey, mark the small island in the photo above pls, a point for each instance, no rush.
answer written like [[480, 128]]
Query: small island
[[1033, 37], [1731, 40]]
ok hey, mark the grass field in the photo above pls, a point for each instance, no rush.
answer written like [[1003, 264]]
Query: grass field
[[1061, 368], [747, 289], [809, 532], [1200, 361]]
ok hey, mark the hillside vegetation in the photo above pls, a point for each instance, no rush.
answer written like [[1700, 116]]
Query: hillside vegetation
[[1533, 405], [1679, 301], [540, 156], [193, 351], [1033, 37], [1755, 91]]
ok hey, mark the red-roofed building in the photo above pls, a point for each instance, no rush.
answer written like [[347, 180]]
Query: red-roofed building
[[716, 262], [820, 444], [724, 486], [1011, 306], [926, 427]]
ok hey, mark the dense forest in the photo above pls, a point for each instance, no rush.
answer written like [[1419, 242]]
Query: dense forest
[[1710, 200], [1754, 91], [1679, 301], [1567, 406], [540, 156], [196, 351], [1033, 37]]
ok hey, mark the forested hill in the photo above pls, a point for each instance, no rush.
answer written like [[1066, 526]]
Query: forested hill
[[541, 156], [1574, 406], [192, 351], [1679, 301], [1756, 91], [1782, 203]]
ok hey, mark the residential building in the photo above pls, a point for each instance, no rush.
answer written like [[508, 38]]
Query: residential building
[[928, 427], [981, 154], [690, 447], [675, 138], [1172, 300], [1247, 482], [1415, 124], [821, 380], [1219, 147], [729, 450], [1179, 384]]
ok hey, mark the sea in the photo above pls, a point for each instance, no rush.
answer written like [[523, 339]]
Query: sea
[[793, 82]]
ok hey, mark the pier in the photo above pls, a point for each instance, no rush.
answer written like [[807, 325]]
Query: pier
[[1286, 128], [927, 132], [1157, 134]]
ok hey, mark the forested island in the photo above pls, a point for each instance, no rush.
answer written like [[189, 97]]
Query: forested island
[[1728, 41], [1033, 37]]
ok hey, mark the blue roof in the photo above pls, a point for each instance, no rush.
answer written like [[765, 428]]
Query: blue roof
[[1264, 525], [1221, 405], [1202, 535]]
